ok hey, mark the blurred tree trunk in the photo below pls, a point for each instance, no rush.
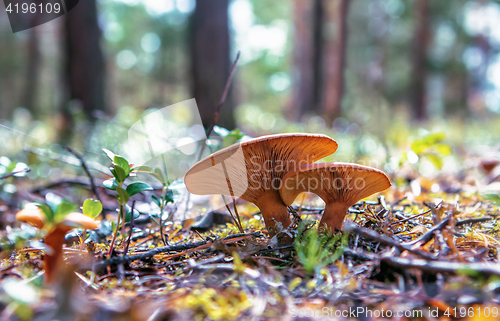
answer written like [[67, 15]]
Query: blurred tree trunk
[[335, 38], [85, 65], [210, 60], [305, 73], [319, 51], [32, 72], [420, 44], [318, 45]]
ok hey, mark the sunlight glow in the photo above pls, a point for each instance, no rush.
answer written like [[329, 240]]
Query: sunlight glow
[[157, 7], [126, 59]]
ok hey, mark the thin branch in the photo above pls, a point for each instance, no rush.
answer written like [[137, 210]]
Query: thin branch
[[15, 173], [473, 220], [236, 220], [358, 255], [216, 114], [483, 269], [73, 181], [67, 159], [409, 218], [131, 228], [61, 182], [86, 170], [158, 250], [384, 239], [220, 104], [427, 236]]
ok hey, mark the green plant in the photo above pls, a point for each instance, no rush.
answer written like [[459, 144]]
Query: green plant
[[121, 170], [228, 137], [167, 196], [491, 196], [316, 251], [431, 147], [56, 217], [91, 208], [55, 208]]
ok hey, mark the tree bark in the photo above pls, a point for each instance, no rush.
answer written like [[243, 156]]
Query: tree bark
[[32, 72], [335, 38], [319, 55], [210, 60], [420, 44], [306, 58], [85, 65]]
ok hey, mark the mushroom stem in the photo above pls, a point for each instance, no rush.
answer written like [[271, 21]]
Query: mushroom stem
[[55, 239], [333, 216], [274, 211]]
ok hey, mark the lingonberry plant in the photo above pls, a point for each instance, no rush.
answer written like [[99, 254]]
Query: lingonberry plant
[[121, 171]]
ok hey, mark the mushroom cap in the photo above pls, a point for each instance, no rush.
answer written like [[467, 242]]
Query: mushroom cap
[[334, 182], [32, 215], [251, 168], [35, 216], [79, 220]]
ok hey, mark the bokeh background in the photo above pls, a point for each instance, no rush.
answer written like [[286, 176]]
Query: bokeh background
[[376, 75]]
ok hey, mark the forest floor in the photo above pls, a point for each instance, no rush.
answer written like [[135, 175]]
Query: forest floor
[[424, 249]]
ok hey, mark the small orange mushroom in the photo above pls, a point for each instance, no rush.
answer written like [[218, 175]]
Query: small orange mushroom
[[253, 170], [55, 236], [32, 215], [340, 185]]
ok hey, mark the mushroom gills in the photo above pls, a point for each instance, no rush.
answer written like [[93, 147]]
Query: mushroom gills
[[340, 185]]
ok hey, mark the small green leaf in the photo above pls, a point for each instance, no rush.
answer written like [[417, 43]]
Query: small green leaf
[[138, 187], [156, 200], [418, 147], [92, 208], [128, 212], [435, 159], [119, 174], [169, 197], [109, 153], [122, 194], [434, 138], [443, 149], [47, 211], [11, 166], [110, 184], [64, 208], [159, 176], [113, 226], [123, 163], [154, 218], [468, 272], [233, 136], [491, 196], [144, 169]]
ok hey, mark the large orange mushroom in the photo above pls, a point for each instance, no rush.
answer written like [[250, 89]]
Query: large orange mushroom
[[340, 185], [253, 170], [55, 236]]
